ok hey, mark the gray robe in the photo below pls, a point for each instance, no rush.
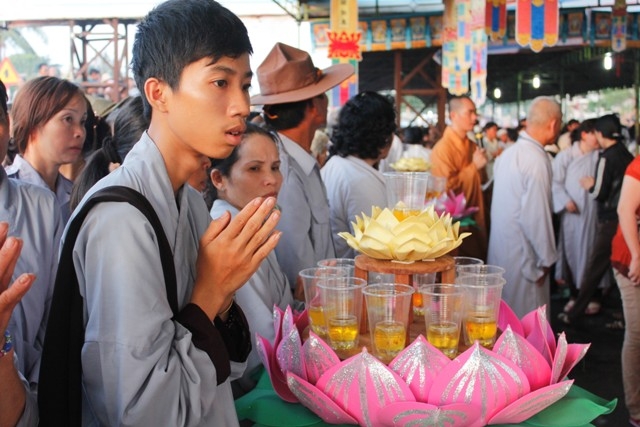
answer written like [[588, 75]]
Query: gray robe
[[577, 230], [521, 239], [140, 367]]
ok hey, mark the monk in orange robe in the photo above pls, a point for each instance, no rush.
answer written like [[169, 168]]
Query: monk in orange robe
[[463, 163]]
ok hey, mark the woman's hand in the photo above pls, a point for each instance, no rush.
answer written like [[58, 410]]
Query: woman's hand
[[634, 271]]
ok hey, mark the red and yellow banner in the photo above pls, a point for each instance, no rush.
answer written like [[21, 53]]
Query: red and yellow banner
[[344, 46], [537, 23]]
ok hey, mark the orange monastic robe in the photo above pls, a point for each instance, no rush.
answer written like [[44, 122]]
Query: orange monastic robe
[[452, 158]]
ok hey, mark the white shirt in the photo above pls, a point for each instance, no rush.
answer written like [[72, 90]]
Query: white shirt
[[354, 187]]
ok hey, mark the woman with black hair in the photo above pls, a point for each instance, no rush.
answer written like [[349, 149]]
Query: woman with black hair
[[360, 140]]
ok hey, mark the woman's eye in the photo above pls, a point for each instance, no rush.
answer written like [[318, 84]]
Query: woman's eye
[[220, 83]]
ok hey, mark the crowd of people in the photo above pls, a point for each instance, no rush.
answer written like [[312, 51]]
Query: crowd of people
[[247, 204]]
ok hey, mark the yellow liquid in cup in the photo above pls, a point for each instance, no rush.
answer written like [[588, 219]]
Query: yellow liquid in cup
[[481, 327], [444, 336], [389, 339], [402, 214], [343, 332], [317, 320]]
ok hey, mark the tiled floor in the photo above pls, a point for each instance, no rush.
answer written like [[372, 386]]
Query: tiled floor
[[600, 371]]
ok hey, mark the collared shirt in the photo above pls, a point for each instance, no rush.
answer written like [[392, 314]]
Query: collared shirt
[[306, 230], [34, 216], [354, 187], [522, 239], [22, 170], [267, 287], [140, 366]]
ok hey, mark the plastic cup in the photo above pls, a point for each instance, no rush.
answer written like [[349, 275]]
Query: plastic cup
[[311, 277], [435, 187], [342, 299], [406, 192], [482, 295], [443, 309], [466, 260], [348, 263], [419, 280], [484, 269], [388, 306]]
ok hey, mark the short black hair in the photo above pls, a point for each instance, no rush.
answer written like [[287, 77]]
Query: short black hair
[[4, 98], [587, 126], [365, 126], [179, 32], [285, 116], [609, 126], [413, 135], [490, 125]]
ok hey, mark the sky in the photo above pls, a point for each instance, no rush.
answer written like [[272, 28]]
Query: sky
[[264, 32]]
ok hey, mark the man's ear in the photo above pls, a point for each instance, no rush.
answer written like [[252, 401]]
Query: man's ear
[[156, 92]]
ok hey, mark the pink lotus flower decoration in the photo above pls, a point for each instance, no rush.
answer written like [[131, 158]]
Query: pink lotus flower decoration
[[455, 206], [520, 377]]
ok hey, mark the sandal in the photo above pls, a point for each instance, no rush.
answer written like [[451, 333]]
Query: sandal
[[616, 325], [592, 308]]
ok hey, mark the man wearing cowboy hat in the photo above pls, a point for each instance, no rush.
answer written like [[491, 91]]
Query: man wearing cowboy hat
[[292, 92]]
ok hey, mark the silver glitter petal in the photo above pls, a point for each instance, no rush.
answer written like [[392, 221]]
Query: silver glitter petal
[[318, 356], [408, 414], [479, 377], [532, 403], [361, 385], [517, 349], [289, 353], [418, 365], [314, 399]]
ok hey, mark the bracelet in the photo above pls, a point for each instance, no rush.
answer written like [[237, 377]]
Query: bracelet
[[8, 344], [226, 309]]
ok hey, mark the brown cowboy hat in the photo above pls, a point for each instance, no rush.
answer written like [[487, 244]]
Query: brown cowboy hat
[[288, 75]]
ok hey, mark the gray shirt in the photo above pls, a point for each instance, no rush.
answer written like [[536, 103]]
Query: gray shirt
[[140, 367], [22, 170], [354, 187], [33, 215], [306, 230]]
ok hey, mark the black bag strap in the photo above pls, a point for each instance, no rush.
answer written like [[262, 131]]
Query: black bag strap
[[60, 381]]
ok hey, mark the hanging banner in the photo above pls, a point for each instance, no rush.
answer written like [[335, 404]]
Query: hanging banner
[[463, 18], [496, 19], [479, 42], [619, 26], [537, 23], [344, 46], [449, 42]]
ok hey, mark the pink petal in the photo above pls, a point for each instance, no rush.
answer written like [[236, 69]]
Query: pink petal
[[529, 405], [566, 358], [314, 399], [361, 385], [318, 356], [418, 365], [278, 380], [517, 349], [506, 317], [411, 414], [482, 378], [539, 333]]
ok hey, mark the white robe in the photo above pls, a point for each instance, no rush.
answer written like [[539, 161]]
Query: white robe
[[577, 230], [521, 239], [267, 287], [353, 187]]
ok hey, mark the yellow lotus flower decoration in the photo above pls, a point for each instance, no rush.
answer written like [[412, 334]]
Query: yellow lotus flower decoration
[[411, 164], [423, 236]]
